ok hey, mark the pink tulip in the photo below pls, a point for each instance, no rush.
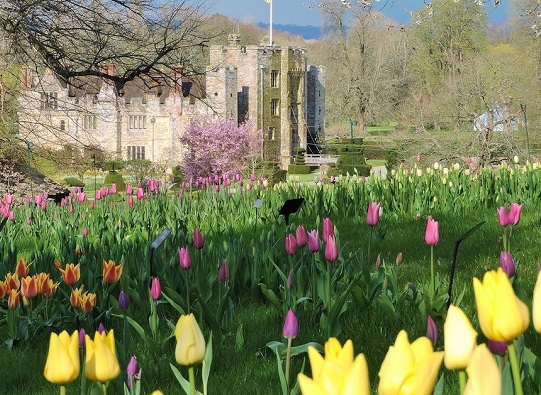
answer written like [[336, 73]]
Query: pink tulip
[[43, 204], [301, 236], [503, 217], [92, 204], [11, 216], [313, 240], [129, 189], [155, 288], [198, 240], [184, 258], [331, 250], [432, 330], [130, 201], [29, 221], [85, 231], [432, 235], [140, 193], [372, 215], [223, 272], [8, 198], [97, 196], [331, 180], [514, 213], [507, 263], [71, 209], [81, 197], [112, 191], [180, 193], [418, 157], [291, 326], [328, 229], [291, 244]]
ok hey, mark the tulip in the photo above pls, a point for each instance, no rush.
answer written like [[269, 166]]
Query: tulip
[[514, 213], [331, 250], [129, 189], [82, 335], [300, 234], [155, 288], [418, 157], [409, 368], [328, 229], [198, 241], [291, 325], [101, 328], [123, 301], [22, 268], [14, 299], [81, 197], [497, 348], [62, 365], [291, 279], [507, 264], [313, 241], [291, 244], [431, 330], [131, 371], [503, 217], [184, 258], [432, 233], [130, 201], [190, 349], [483, 373], [112, 191], [71, 273], [85, 231], [536, 304], [378, 261], [75, 297], [399, 258], [140, 194], [459, 339], [101, 361], [337, 373], [29, 287], [372, 215], [223, 272], [87, 302], [158, 392], [111, 272], [502, 316], [12, 281]]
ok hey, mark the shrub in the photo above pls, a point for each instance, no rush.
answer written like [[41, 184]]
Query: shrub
[[298, 169], [74, 182], [114, 178], [113, 165]]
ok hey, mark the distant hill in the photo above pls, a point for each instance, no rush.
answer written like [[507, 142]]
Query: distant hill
[[308, 32]]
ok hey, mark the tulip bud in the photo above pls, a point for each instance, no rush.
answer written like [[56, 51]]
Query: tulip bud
[[399, 258], [331, 250], [301, 236], [101, 328], [291, 244], [82, 335], [123, 301], [291, 326], [378, 261], [372, 215], [313, 241], [507, 263], [290, 279], [503, 217], [184, 258], [432, 232], [328, 229], [223, 272], [155, 288], [496, 347], [432, 330], [198, 241]]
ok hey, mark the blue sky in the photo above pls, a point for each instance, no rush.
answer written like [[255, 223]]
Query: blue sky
[[298, 12]]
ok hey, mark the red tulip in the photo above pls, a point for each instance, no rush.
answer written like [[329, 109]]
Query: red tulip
[[514, 213], [29, 287], [198, 241], [372, 215], [111, 272], [301, 236], [328, 229], [291, 326], [184, 258], [291, 244], [331, 250], [71, 273], [432, 235], [418, 157], [313, 240], [155, 288]]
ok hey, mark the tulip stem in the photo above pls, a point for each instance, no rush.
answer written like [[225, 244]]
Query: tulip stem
[[329, 278], [509, 239], [62, 390], [192, 380], [288, 358], [432, 280], [187, 293], [462, 380], [515, 368], [104, 389], [314, 285], [369, 245]]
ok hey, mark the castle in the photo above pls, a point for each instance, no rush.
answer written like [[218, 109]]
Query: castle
[[143, 119]]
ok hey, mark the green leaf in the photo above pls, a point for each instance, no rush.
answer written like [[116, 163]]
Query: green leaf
[[136, 326], [270, 295], [210, 319], [185, 384], [207, 362], [173, 304], [239, 338], [440, 385]]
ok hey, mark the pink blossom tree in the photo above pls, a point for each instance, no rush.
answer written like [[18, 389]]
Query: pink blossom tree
[[217, 146]]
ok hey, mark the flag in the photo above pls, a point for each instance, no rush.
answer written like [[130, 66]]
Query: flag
[[268, 1]]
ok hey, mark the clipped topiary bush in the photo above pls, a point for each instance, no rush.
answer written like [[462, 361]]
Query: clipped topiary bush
[[74, 182], [299, 169], [113, 165], [114, 178]]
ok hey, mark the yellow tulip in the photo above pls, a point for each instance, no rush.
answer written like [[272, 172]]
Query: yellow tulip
[[101, 361], [190, 348], [338, 373], [483, 373], [459, 339], [157, 393], [62, 365], [502, 316], [409, 368], [536, 304]]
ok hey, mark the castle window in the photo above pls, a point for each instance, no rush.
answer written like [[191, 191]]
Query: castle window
[[138, 121], [89, 122], [135, 152], [274, 82], [49, 100], [272, 132], [145, 97], [62, 126], [192, 100], [275, 104]]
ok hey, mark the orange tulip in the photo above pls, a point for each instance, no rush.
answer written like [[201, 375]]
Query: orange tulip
[[75, 298], [12, 281], [3, 289], [14, 299], [71, 273], [111, 273], [87, 302], [22, 268], [42, 281], [29, 287]]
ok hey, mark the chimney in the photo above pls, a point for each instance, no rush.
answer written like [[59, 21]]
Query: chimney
[[233, 39]]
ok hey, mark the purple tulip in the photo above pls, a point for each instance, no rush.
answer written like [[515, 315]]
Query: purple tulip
[[82, 341], [432, 235], [291, 326], [131, 371], [184, 258], [432, 330], [291, 244], [331, 250], [507, 263], [101, 328], [223, 272], [301, 236], [328, 229], [123, 301], [198, 240], [496, 347], [372, 215]]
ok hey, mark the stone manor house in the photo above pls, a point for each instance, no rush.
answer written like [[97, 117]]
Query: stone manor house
[[271, 85]]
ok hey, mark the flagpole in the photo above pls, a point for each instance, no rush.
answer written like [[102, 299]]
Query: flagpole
[[270, 24]]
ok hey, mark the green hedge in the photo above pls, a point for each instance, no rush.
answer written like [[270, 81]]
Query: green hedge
[[299, 169], [74, 182], [116, 178], [362, 170]]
